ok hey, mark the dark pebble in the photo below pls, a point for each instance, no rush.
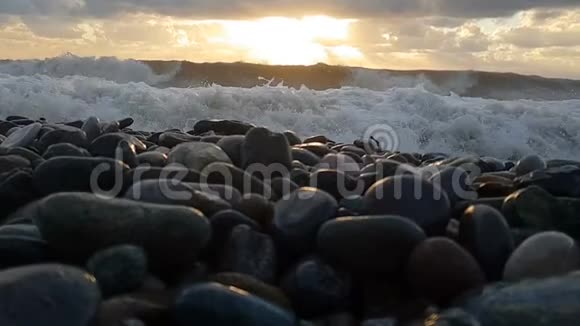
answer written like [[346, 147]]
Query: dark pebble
[[171, 192], [292, 138], [118, 269], [305, 156], [92, 128], [12, 162], [218, 305], [441, 270], [561, 181], [379, 245], [263, 150], [299, 216], [543, 255], [532, 303], [256, 207], [172, 139], [486, 234], [319, 149], [222, 127], [76, 225], [250, 252], [152, 159], [232, 145], [22, 137], [85, 174], [107, 144], [48, 294], [254, 286], [336, 183], [197, 156], [315, 288], [457, 184], [529, 164], [64, 149], [5, 126], [410, 196], [126, 123], [68, 135]]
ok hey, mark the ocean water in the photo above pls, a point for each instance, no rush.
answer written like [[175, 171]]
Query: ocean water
[[422, 117]]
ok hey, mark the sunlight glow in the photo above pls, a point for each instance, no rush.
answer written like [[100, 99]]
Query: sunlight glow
[[291, 41]]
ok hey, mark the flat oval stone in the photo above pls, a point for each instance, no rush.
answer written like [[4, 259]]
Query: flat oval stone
[[5, 126], [486, 234], [440, 270], [76, 225], [218, 305], [48, 294], [254, 286], [559, 181], [119, 269], [305, 156], [172, 192], [543, 255], [126, 123], [177, 173], [11, 162], [316, 288], [336, 183], [227, 174], [544, 302], [64, 149], [106, 145], [19, 250], [411, 197], [457, 184], [172, 139], [225, 192], [197, 155], [68, 135], [529, 164], [152, 159], [222, 127], [250, 252], [318, 149], [377, 245], [84, 174], [22, 137], [339, 162], [27, 153], [298, 217]]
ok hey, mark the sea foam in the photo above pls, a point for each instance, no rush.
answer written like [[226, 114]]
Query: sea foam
[[423, 119]]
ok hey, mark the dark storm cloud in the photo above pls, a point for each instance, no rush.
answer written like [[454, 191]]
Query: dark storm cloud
[[246, 8]]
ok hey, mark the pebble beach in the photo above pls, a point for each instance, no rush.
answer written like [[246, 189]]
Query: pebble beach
[[230, 223]]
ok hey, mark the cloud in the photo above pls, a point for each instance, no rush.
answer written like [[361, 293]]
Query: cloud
[[253, 8]]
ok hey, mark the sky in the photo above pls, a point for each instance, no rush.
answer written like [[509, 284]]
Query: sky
[[540, 37]]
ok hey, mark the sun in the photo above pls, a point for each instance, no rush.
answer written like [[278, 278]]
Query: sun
[[291, 41]]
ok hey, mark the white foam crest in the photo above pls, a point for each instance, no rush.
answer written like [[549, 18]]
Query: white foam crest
[[423, 121], [109, 68]]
